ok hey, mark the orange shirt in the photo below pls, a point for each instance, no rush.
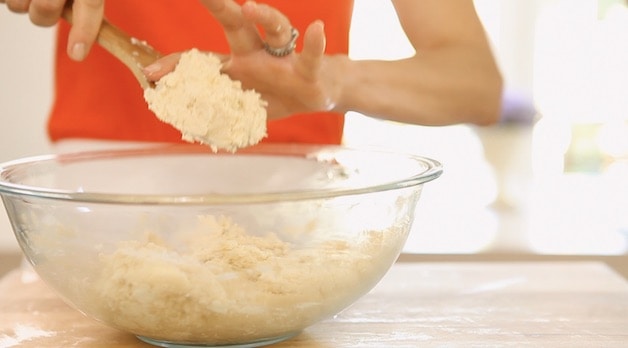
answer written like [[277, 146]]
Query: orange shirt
[[100, 99]]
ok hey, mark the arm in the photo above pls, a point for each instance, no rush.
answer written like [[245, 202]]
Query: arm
[[453, 77]]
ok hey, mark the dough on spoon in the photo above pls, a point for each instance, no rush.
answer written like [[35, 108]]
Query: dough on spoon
[[207, 106]]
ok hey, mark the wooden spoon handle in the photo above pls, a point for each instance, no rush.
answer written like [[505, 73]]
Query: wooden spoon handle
[[133, 53]]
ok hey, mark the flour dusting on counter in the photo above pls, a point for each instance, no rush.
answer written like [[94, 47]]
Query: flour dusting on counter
[[207, 106], [21, 334]]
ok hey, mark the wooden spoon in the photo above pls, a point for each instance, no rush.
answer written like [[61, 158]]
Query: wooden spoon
[[133, 53]]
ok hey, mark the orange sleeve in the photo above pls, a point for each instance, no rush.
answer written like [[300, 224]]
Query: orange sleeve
[[98, 98]]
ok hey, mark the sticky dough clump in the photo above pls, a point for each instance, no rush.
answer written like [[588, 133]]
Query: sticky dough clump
[[207, 106]]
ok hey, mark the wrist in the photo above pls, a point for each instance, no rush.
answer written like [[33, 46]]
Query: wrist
[[342, 77]]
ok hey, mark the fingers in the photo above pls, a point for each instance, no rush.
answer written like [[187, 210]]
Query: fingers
[[241, 34], [226, 12], [161, 67], [276, 26], [87, 16], [311, 57], [18, 6], [45, 13], [86, 19], [241, 22], [166, 64]]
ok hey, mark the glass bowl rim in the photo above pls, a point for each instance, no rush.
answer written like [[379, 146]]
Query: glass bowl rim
[[433, 169]]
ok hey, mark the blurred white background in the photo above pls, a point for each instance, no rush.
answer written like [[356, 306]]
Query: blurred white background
[[552, 178]]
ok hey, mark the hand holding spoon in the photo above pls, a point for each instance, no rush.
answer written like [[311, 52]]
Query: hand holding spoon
[[133, 53]]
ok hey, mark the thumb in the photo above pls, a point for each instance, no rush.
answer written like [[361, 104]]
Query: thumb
[[161, 67]]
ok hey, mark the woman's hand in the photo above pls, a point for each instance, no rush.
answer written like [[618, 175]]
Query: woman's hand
[[453, 77], [87, 16], [294, 83]]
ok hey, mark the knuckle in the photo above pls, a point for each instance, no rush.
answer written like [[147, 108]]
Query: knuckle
[[17, 6], [91, 4], [45, 12], [46, 7]]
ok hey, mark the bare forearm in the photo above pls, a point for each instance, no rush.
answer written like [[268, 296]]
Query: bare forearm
[[432, 88]]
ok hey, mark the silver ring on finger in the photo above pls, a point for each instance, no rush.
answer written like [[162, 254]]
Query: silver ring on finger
[[286, 49]]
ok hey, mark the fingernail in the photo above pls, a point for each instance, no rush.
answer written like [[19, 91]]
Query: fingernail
[[251, 4], [320, 23], [151, 69], [78, 51]]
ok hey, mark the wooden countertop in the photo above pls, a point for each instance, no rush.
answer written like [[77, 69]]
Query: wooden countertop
[[525, 304]]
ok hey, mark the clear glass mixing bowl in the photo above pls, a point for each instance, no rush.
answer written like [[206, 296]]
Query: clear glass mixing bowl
[[181, 246]]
